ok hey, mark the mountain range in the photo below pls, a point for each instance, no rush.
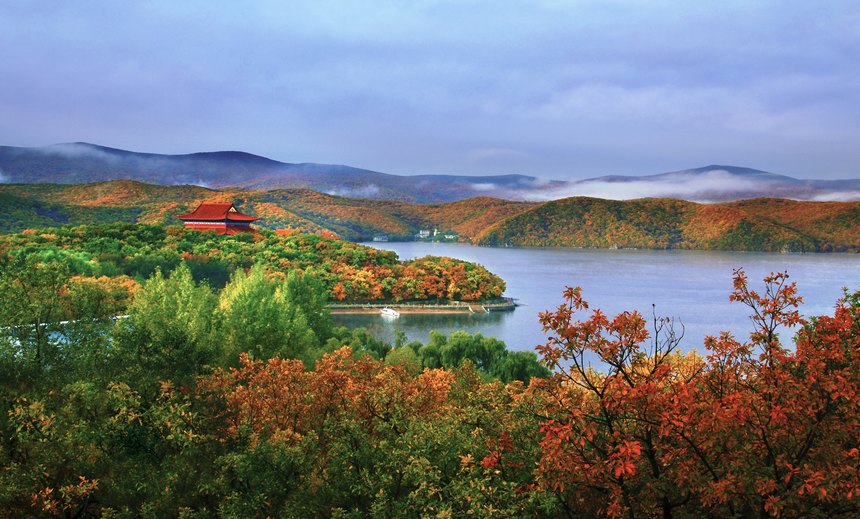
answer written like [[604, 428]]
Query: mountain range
[[762, 224], [86, 163]]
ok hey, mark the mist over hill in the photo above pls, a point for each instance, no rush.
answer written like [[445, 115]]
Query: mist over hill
[[715, 183], [82, 162]]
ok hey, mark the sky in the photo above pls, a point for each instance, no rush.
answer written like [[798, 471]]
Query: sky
[[549, 88]]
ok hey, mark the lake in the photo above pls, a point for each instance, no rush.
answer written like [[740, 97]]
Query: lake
[[691, 286]]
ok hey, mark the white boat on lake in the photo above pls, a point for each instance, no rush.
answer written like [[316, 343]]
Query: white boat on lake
[[388, 312]]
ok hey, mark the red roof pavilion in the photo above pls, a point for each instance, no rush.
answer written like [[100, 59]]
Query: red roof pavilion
[[221, 217]]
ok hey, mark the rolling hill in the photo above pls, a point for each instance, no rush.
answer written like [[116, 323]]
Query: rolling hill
[[87, 163], [45, 205], [764, 224]]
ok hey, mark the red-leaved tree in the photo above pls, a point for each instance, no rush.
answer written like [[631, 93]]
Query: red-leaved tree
[[754, 428]]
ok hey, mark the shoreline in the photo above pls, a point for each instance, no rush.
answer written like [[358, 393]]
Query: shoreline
[[418, 308], [375, 311]]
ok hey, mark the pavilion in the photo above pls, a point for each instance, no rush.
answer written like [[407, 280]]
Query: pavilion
[[221, 217]]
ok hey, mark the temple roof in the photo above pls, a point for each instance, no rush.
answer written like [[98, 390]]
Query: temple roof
[[217, 211]]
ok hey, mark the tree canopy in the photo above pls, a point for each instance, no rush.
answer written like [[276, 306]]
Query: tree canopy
[[348, 271], [207, 404]]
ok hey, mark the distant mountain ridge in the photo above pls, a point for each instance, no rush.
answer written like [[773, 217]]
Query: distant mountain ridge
[[83, 162]]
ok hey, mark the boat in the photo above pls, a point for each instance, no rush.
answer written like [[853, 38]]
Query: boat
[[388, 312]]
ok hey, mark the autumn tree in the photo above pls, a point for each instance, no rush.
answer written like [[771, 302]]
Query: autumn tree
[[356, 437], [754, 428], [603, 451], [771, 429]]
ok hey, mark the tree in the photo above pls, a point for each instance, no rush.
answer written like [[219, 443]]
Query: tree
[[356, 437], [30, 306], [519, 365], [307, 292], [169, 331], [266, 317], [405, 357], [776, 428], [754, 428], [488, 354], [603, 451]]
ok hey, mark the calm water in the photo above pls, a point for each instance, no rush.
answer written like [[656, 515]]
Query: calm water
[[691, 286]]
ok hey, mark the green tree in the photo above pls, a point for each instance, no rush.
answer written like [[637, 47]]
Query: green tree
[[169, 332], [405, 357], [263, 317], [307, 291], [519, 365], [484, 352], [30, 307], [430, 354]]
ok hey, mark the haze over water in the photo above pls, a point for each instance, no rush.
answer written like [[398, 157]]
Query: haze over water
[[690, 286]]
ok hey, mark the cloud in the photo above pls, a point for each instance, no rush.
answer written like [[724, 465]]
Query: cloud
[[552, 88], [4, 178], [366, 191], [714, 185], [483, 186], [76, 150], [704, 187], [846, 196], [536, 182]]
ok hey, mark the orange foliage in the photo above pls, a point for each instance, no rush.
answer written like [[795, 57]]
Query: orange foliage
[[279, 401], [752, 427]]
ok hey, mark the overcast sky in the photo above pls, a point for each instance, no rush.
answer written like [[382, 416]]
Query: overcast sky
[[559, 89]]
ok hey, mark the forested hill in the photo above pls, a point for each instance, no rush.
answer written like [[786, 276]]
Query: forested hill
[[24, 206], [753, 225], [763, 224]]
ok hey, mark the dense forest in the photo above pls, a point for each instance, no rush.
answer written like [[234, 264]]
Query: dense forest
[[244, 401], [126, 254], [761, 224], [770, 225]]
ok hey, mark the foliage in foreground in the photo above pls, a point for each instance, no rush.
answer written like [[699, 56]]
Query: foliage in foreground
[[170, 413], [751, 429]]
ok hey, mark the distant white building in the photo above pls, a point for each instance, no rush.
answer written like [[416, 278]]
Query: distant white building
[[423, 233]]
